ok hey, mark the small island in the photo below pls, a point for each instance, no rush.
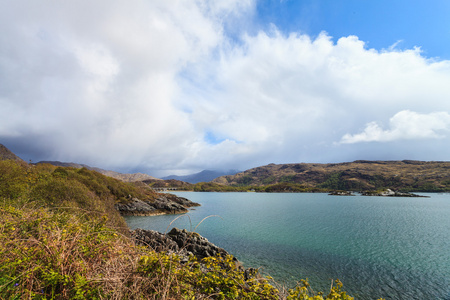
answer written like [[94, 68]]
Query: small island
[[391, 193]]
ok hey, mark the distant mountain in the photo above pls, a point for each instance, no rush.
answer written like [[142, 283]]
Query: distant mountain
[[6, 154], [117, 175], [358, 175], [203, 176]]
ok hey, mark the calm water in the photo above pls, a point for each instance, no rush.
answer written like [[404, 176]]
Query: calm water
[[396, 248]]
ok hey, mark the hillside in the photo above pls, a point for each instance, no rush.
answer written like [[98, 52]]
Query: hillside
[[6, 154], [358, 175], [123, 177]]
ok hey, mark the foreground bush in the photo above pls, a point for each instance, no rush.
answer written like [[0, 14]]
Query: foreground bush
[[47, 254]]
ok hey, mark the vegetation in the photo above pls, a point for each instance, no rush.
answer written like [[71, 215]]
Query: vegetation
[[217, 187], [61, 238], [403, 176]]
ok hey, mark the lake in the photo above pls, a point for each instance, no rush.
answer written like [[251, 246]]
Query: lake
[[390, 247]]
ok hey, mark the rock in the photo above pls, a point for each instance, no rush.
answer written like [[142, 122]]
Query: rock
[[180, 241], [388, 192], [136, 207], [156, 240], [180, 200], [195, 243], [341, 193], [164, 204], [185, 244]]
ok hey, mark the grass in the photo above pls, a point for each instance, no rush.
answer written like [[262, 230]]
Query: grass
[[53, 254]]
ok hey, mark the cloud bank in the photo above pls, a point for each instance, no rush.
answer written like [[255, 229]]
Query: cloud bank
[[162, 87], [405, 125]]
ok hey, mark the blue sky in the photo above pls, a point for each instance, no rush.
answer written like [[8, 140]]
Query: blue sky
[[380, 24], [176, 87]]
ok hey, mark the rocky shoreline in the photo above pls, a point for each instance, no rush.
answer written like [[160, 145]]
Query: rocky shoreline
[[164, 204], [186, 244], [178, 241]]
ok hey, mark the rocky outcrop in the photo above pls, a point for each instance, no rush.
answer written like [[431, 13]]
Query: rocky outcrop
[[185, 244], [341, 193], [180, 241], [195, 243], [390, 193], [164, 204], [136, 207]]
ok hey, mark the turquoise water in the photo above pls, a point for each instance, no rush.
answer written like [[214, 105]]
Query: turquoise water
[[395, 248]]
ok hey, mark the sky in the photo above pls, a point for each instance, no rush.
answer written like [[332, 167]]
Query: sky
[[176, 87]]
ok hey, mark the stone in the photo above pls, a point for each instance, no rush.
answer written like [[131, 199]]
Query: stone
[[164, 204], [179, 241]]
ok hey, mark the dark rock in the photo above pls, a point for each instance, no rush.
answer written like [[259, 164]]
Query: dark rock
[[195, 243], [341, 193], [136, 207], [164, 204], [180, 200], [156, 240], [180, 241], [185, 244]]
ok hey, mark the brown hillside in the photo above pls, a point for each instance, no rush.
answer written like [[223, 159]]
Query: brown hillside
[[121, 176], [357, 175], [6, 154]]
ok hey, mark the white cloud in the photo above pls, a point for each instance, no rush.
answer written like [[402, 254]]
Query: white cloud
[[98, 80], [141, 85], [288, 98], [405, 125]]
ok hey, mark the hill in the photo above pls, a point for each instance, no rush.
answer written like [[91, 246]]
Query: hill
[[6, 154], [123, 177], [359, 175], [203, 176]]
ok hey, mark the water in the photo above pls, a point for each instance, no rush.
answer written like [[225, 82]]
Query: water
[[395, 248]]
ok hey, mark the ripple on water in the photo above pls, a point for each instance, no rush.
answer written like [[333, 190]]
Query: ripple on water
[[395, 248]]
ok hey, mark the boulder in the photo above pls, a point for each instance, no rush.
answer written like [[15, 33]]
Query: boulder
[[164, 204], [136, 207], [179, 241]]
